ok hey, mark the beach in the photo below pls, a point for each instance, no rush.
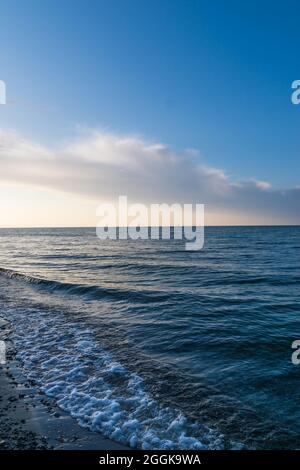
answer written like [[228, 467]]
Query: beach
[[30, 420]]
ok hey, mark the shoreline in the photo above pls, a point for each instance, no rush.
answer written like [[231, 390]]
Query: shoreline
[[30, 420]]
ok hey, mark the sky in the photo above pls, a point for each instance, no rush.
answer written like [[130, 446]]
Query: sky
[[161, 100]]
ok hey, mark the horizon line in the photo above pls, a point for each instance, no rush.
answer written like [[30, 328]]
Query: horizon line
[[149, 226]]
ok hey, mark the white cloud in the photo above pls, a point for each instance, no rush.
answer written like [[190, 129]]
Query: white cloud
[[102, 165], [264, 185]]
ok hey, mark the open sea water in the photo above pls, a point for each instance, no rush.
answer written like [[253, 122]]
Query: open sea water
[[157, 347]]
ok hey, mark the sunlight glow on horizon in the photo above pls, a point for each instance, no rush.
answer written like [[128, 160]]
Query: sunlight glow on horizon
[[22, 207]]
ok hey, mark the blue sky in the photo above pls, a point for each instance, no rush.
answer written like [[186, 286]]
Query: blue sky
[[212, 76]]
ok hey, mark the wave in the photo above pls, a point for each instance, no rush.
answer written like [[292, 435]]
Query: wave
[[91, 292], [63, 359]]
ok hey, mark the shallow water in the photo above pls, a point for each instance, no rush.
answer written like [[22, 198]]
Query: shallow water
[[157, 347]]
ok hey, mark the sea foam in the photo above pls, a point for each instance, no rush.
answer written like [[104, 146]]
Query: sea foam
[[67, 363]]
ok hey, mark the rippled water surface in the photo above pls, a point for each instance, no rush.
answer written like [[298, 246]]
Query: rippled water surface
[[157, 347]]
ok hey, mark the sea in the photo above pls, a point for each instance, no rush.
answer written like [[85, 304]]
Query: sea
[[157, 347]]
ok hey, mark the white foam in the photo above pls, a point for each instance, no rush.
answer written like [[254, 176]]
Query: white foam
[[86, 381]]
